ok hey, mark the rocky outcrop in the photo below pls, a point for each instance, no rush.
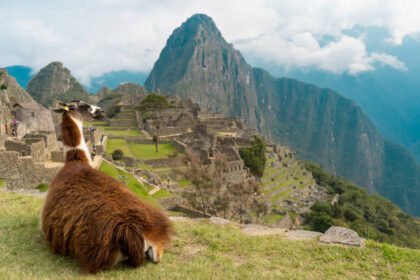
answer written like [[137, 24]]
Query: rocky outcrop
[[55, 81], [13, 92], [341, 235]]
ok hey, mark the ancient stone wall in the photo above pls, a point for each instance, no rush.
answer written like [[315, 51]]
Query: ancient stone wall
[[179, 146], [35, 120], [22, 172], [123, 122]]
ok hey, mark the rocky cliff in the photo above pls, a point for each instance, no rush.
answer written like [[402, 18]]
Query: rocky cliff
[[319, 124], [55, 81]]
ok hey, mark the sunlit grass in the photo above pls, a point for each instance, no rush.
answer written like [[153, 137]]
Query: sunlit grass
[[129, 180], [200, 251]]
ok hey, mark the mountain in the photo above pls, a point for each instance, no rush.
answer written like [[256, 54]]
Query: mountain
[[127, 94], [389, 96], [22, 74], [14, 93], [319, 124], [115, 78], [198, 62], [55, 81]]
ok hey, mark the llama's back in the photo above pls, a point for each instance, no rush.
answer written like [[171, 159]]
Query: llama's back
[[95, 218]]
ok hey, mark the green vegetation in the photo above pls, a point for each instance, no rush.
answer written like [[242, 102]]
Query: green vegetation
[[117, 154], [2, 183], [200, 251], [128, 179], [140, 151], [154, 102], [254, 156], [123, 132], [42, 187], [148, 151], [121, 144], [372, 216]]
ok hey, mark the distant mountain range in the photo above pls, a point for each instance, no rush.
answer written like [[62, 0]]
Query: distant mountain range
[[113, 79], [319, 124]]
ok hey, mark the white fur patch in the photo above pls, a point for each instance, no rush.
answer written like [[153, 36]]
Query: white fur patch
[[82, 145]]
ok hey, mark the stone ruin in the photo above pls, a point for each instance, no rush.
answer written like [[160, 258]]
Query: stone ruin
[[208, 147]]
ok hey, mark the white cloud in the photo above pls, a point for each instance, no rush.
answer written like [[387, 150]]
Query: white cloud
[[92, 37]]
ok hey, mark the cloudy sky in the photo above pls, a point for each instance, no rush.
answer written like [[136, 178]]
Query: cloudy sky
[[92, 37]]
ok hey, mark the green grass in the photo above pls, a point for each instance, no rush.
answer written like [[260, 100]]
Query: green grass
[[2, 183], [139, 151], [148, 151], [129, 180], [162, 193], [200, 251], [95, 124], [125, 132], [183, 183], [113, 144]]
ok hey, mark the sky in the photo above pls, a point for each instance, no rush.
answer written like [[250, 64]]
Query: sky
[[92, 37]]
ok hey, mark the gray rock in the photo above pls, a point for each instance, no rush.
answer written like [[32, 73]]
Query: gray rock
[[341, 235], [301, 235]]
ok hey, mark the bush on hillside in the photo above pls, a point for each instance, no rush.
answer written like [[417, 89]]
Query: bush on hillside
[[117, 154], [254, 156], [371, 216]]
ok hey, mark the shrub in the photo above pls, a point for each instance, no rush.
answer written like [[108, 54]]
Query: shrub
[[254, 156], [42, 187], [117, 154]]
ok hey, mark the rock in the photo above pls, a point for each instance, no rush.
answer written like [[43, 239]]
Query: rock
[[286, 222], [341, 235], [219, 221], [259, 230], [302, 235]]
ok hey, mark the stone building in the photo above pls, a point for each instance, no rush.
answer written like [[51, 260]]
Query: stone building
[[32, 117]]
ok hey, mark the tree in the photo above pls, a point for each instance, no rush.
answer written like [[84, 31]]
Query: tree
[[254, 156], [117, 154], [153, 102], [213, 195]]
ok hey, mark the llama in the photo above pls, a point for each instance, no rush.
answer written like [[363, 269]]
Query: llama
[[92, 217]]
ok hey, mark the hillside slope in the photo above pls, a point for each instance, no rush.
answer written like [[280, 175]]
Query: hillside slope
[[318, 123], [200, 251]]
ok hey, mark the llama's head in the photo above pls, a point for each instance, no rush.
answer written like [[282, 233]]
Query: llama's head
[[74, 114], [80, 110]]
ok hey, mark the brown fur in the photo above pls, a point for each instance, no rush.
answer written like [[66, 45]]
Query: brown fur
[[94, 218]]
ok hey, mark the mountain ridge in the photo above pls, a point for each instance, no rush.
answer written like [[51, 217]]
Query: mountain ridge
[[309, 119]]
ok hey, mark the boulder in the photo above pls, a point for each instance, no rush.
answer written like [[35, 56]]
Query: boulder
[[341, 235], [301, 235]]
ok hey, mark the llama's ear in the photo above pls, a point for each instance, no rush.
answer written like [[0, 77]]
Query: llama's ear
[[59, 110]]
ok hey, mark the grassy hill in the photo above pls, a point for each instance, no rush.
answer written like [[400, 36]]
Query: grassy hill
[[201, 251]]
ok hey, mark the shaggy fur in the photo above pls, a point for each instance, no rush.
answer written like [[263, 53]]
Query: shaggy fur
[[96, 219]]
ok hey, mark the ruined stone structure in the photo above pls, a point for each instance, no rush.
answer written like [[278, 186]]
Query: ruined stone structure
[[23, 172], [208, 147], [32, 117]]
